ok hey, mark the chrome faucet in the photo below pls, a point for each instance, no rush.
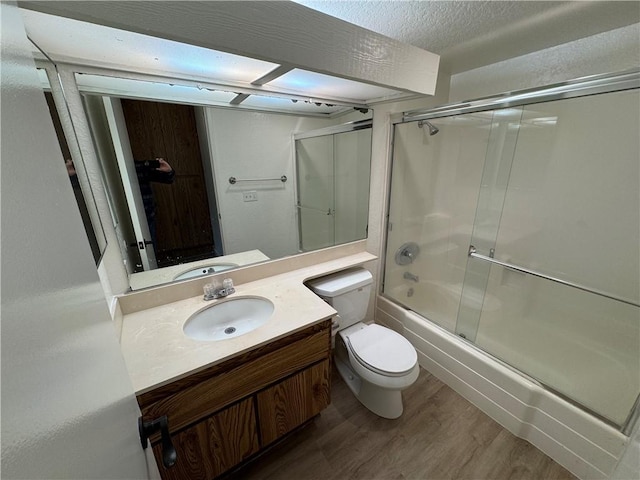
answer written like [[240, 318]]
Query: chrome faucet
[[211, 291], [411, 276]]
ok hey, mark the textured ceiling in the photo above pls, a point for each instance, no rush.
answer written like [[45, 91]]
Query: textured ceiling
[[469, 34]]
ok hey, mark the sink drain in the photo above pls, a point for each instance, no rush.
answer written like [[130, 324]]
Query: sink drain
[[229, 330]]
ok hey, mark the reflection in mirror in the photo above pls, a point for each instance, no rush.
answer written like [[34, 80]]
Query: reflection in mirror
[[197, 189], [73, 173], [332, 169]]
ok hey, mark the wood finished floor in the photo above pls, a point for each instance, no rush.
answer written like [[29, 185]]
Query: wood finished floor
[[439, 436]]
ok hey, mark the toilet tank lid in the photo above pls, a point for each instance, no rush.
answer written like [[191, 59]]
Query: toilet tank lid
[[340, 282]]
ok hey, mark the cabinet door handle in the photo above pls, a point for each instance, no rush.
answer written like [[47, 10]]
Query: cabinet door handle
[[146, 429]]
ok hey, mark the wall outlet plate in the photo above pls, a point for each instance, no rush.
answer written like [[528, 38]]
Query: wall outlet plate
[[251, 196]]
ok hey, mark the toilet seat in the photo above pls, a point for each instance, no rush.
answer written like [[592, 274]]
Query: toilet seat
[[382, 350]]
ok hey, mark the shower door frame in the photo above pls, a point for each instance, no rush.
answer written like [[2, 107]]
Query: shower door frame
[[321, 132], [580, 87]]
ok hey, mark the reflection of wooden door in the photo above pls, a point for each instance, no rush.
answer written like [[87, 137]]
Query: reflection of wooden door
[[183, 222]]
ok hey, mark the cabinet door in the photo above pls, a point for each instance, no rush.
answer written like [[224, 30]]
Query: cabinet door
[[214, 445], [293, 401]]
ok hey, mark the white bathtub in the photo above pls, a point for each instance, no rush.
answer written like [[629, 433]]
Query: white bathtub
[[584, 445]]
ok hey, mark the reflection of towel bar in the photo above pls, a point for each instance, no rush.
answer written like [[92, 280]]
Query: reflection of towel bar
[[473, 254], [313, 209], [234, 180]]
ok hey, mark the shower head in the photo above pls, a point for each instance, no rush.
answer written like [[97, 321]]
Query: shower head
[[432, 128]]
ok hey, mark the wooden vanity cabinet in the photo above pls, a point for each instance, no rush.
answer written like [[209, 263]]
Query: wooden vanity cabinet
[[223, 415], [214, 445], [291, 402]]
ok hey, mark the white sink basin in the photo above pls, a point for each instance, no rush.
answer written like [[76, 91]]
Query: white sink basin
[[228, 319], [205, 270]]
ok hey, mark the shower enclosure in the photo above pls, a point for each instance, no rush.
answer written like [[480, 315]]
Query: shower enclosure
[[516, 226], [332, 179]]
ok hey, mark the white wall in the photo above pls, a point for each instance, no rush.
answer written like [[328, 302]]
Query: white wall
[[256, 145], [68, 409], [607, 52]]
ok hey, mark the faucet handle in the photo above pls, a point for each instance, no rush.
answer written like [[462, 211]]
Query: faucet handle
[[407, 253], [209, 291], [214, 290], [227, 284]]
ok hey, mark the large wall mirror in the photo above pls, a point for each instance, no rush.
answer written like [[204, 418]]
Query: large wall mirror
[[203, 160], [195, 188]]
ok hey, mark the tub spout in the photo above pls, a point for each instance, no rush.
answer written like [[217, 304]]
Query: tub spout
[[411, 276]]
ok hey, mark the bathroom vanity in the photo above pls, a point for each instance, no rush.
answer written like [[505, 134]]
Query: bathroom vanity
[[225, 401], [226, 413]]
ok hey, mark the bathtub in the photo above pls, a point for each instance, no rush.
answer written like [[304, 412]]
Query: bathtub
[[580, 442]]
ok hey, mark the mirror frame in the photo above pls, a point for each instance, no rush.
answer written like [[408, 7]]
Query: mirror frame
[[56, 88]]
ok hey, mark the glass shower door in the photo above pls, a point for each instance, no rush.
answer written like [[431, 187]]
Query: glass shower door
[[501, 146], [434, 190], [571, 211], [352, 165], [553, 190], [315, 181], [332, 173]]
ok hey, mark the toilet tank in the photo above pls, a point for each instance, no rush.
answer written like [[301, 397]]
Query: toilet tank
[[347, 291]]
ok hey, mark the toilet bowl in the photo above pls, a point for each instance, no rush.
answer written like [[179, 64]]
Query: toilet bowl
[[375, 362]]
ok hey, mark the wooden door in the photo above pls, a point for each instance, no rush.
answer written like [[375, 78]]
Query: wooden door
[[290, 403], [183, 220], [214, 445], [131, 189]]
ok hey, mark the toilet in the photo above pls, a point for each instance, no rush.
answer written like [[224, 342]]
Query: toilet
[[374, 361]]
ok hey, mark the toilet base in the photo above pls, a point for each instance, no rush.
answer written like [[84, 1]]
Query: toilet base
[[383, 402]]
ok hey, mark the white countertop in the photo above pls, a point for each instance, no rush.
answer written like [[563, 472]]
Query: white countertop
[[157, 352]]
